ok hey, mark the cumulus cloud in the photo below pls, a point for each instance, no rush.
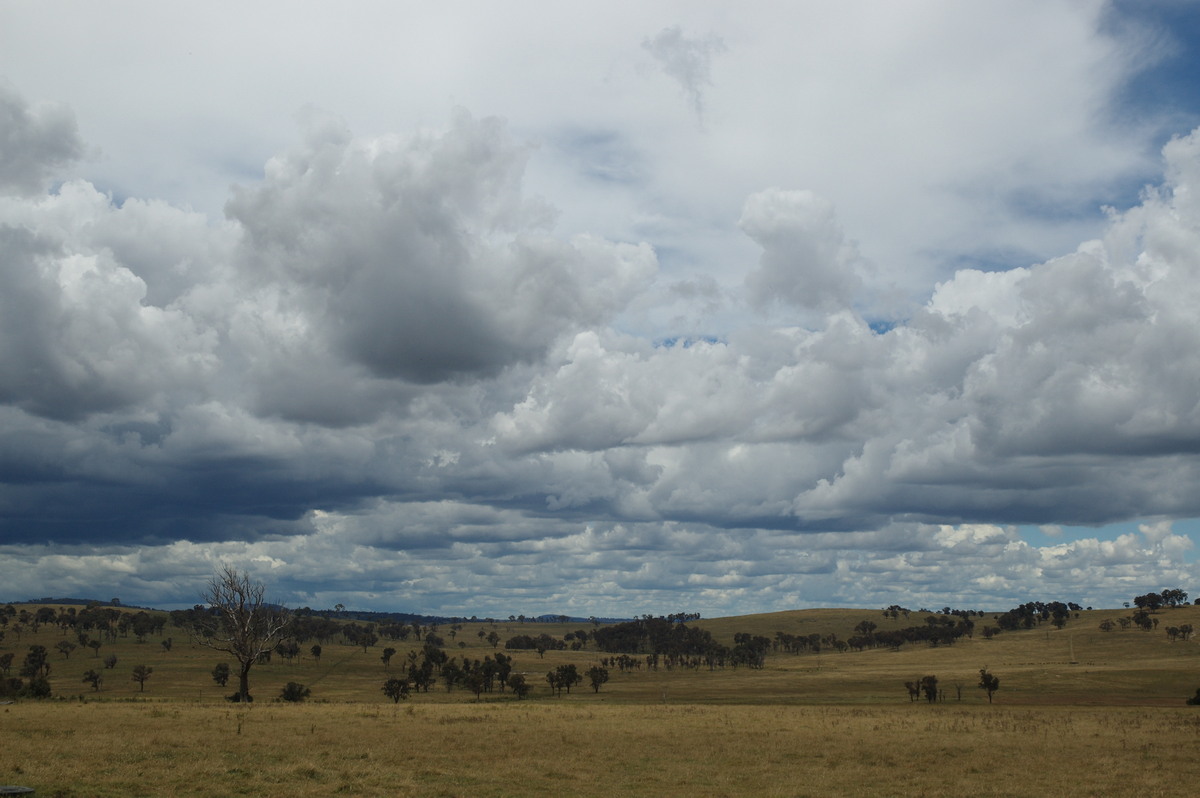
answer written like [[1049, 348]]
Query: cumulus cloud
[[36, 141], [1014, 396], [806, 260], [460, 559], [365, 293], [76, 336], [419, 259], [386, 357]]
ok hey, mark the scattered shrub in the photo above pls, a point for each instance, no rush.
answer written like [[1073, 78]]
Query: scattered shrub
[[294, 692]]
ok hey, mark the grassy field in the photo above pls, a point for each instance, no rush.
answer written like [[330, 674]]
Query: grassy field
[[1079, 712], [581, 748]]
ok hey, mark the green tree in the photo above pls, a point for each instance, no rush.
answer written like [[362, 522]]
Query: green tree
[[1150, 601], [387, 655], [929, 686], [492, 637], [866, 628], [316, 652], [140, 674], [452, 673], [110, 661], [597, 676], [1174, 597], [566, 677], [518, 685], [239, 622], [397, 689], [94, 677], [38, 687], [37, 663], [988, 682], [503, 667], [476, 681], [65, 647], [43, 615], [288, 649], [143, 625]]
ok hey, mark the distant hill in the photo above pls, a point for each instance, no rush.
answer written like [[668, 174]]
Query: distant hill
[[81, 602], [343, 614]]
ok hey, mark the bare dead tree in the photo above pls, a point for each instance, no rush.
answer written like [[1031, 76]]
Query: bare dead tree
[[239, 622]]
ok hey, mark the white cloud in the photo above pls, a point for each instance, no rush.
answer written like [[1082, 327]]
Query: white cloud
[[76, 335], [627, 568], [419, 259], [806, 260], [590, 350], [687, 60]]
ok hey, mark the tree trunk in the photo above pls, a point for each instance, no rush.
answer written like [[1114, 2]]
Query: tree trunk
[[244, 683]]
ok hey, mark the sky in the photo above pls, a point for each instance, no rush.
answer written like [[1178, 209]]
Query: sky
[[600, 309]]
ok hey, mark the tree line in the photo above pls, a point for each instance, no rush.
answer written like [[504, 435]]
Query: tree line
[[236, 619]]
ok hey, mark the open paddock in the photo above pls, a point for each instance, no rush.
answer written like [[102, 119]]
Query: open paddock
[[579, 747]]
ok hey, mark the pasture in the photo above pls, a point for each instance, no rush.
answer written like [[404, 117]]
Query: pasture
[[1079, 712]]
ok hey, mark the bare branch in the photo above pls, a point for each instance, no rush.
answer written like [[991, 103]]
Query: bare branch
[[239, 621]]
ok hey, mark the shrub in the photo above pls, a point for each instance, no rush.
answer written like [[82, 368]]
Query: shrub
[[221, 673], [37, 687], [295, 692]]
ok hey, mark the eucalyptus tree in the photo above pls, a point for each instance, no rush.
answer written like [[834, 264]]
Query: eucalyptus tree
[[989, 682], [140, 674], [597, 675], [93, 677], [397, 689], [240, 622]]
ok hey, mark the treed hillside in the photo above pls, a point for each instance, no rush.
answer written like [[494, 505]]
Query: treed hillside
[[1040, 652]]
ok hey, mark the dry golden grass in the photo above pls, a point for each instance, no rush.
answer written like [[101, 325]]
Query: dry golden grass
[[580, 748], [1080, 712]]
